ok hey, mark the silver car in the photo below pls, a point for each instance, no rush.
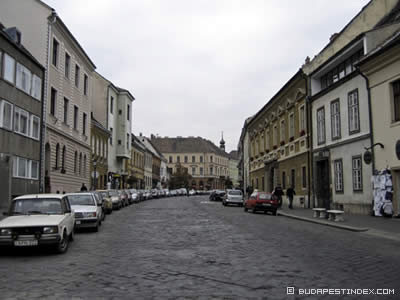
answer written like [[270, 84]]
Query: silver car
[[88, 213], [233, 197]]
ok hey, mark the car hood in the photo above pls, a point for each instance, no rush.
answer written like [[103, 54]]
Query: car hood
[[31, 220], [84, 208], [115, 199]]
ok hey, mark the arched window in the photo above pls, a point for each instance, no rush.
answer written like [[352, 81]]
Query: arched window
[[57, 165], [64, 153], [76, 162], [80, 163], [84, 166], [92, 140]]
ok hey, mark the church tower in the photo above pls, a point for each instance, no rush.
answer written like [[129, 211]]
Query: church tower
[[222, 142]]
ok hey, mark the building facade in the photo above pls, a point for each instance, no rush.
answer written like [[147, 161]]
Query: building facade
[[136, 164], [207, 164], [67, 91], [21, 109], [382, 68], [279, 146], [99, 158], [234, 169]]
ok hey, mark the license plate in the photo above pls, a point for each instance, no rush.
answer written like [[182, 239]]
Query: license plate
[[26, 243], [77, 222], [266, 204]]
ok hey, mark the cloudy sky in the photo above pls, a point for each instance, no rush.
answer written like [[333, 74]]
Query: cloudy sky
[[199, 67]]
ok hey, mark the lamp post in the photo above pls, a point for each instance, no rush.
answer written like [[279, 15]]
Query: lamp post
[[94, 174]]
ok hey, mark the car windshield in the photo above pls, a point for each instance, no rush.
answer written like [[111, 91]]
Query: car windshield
[[113, 193], [36, 206], [104, 194], [235, 193], [81, 200], [265, 196]]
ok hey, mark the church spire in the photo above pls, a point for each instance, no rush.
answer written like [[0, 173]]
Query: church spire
[[222, 142]]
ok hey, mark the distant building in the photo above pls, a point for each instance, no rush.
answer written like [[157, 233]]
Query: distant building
[[21, 108], [234, 168], [204, 161], [136, 164]]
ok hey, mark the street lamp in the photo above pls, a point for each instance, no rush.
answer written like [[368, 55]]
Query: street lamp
[[94, 174]]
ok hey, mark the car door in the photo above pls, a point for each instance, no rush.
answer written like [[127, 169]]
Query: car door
[[69, 217], [99, 211]]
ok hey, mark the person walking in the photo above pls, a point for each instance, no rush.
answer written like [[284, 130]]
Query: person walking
[[290, 192], [83, 188], [278, 192]]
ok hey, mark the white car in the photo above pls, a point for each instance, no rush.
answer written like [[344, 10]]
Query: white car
[[192, 192], [36, 220], [233, 197], [87, 211]]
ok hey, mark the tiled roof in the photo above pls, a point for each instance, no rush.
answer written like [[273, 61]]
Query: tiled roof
[[186, 145]]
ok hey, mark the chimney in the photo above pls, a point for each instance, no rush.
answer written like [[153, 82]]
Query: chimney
[[14, 34], [140, 134], [333, 36]]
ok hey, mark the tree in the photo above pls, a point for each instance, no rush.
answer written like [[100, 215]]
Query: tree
[[180, 178], [228, 183]]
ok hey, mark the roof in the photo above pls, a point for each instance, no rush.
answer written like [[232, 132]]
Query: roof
[[392, 17], [386, 45], [121, 90], [234, 155], [20, 47], [101, 127], [186, 145], [41, 196]]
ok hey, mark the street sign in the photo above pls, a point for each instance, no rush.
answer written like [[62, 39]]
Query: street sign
[[367, 157]]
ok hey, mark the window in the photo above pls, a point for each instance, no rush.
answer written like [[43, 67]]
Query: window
[[67, 66], [193, 159], [201, 159], [302, 118], [284, 180], [119, 142], [211, 158], [24, 78], [76, 162], [53, 101], [84, 166], [57, 164], [128, 112], [25, 168], [111, 136], [66, 110], [293, 178], [186, 159], [21, 121], [275, 135], [35, 127], [178, 159], [9, 68], [338, 169], [55, 52], [267, 146], [6, 115], [291, 125], [211, 170], [80, 163], [76, 116], [321, 125], [193, 170], [396, 100], [36, 91], [84, 121], [335, 119], [283, 131], [77, 74], [304, 177], [201, 171], [354, 117], [256, 183], [85, 84], [357, 173], [127, 141], [63, 157], [112, 105], [170, 159]]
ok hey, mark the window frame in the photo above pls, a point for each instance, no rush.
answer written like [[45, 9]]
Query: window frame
[[321, 139], [85, 84], [304, 177], [77, 75], [67, 65], [291, 125], [31, 119], [55, 51], [21, 112], [14, 69], [395, 99], [335, 117], [360, 170], [2, 105], [336, 163], [349, 107], [36, 95], [21, 70], [76, 118], [53, 102]]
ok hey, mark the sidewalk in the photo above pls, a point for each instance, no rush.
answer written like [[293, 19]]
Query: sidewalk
[[375, 225]]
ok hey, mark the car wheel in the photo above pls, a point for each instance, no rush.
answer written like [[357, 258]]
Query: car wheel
[[274, 212], [62, 246], [72, 235]]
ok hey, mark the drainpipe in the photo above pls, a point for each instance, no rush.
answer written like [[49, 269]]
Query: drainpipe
[[371, 132]]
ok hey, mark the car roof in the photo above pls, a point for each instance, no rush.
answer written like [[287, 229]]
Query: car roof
[[81, 193], [40, 196]]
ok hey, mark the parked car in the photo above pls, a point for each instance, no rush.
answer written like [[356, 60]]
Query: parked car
[[260, 201], [100, 202], [87, 211], [124, 197], [154, 193], [115, 199], [36, 220], [192, 193], [134, 196], [108, 205], [217, 195], [233, 197]]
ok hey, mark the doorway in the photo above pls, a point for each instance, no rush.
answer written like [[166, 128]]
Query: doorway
[[322, 180]]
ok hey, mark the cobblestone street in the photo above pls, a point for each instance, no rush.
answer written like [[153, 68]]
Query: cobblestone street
[[190, 248]]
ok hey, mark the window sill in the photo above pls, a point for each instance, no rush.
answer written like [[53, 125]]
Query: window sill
[[395, 124]]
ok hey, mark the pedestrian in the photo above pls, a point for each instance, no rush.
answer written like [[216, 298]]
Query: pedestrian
[[290, 192], [278, 192], [83, 188]]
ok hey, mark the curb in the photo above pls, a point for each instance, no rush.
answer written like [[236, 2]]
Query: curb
[[326, 223]]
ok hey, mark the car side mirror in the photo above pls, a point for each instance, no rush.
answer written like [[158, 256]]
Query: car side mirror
[[5, 213]]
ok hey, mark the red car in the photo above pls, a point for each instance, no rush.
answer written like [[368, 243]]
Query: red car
[[260, 201]]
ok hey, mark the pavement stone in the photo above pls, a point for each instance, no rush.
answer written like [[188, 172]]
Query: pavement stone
[[187, 248]]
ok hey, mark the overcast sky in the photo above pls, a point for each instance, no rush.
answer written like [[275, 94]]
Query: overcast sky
[[199, 67]]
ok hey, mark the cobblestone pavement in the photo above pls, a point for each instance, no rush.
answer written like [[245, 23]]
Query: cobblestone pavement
[[189, 248]]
